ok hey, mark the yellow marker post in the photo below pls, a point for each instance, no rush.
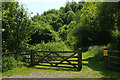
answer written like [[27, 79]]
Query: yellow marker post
[[105, 52], [106, 59]]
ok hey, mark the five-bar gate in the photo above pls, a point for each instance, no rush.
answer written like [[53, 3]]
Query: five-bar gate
[[66, 59]]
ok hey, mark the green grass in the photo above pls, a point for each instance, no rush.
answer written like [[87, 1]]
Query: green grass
[[93, 67]]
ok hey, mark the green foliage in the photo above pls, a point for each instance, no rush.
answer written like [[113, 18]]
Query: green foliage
[[112, 46], [52, 11], [65, 30], [45, 27], [96, 23], [8, 63], [69, 16], [96, 50], [17, 27], [76, 25], [50, 46], [56, 24], [43, 32], [60, 22], [67, 8]]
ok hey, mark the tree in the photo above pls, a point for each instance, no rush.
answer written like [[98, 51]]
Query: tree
[[43, 32], [96, 23], [17, 27], [70, 15], [67, 7]]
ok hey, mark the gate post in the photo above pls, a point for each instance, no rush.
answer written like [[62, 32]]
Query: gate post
[[79, 59], [32, 56], [106, 59]]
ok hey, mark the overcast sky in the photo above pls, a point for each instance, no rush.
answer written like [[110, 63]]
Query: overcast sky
[[43, 5]]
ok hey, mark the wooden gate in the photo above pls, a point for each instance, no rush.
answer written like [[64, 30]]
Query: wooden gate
[[66, 59], [112, 59]]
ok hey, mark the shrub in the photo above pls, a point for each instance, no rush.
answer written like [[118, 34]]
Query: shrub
[[51, 46], [112, 46], [96, 50], [8, 63]]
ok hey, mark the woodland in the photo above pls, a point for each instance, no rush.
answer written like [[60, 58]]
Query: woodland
[[76, 25]]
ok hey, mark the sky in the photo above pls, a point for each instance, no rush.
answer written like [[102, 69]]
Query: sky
[[39, 6]]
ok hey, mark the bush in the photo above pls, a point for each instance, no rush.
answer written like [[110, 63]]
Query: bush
[[8, 63], [51, 46], [112, 46], [96, 50]]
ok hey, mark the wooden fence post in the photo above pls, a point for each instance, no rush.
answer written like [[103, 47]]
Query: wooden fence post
[[106, 59], [79, 59], [32, 57]]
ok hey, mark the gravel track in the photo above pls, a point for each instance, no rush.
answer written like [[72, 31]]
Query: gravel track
[[43, 76]]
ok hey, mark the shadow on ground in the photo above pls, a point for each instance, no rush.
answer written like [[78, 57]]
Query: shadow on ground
[[97, 64], [56, 68]]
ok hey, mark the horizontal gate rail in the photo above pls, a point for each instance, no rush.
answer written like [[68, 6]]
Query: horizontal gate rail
[[57, 51], [56, 59], [57, 66]]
